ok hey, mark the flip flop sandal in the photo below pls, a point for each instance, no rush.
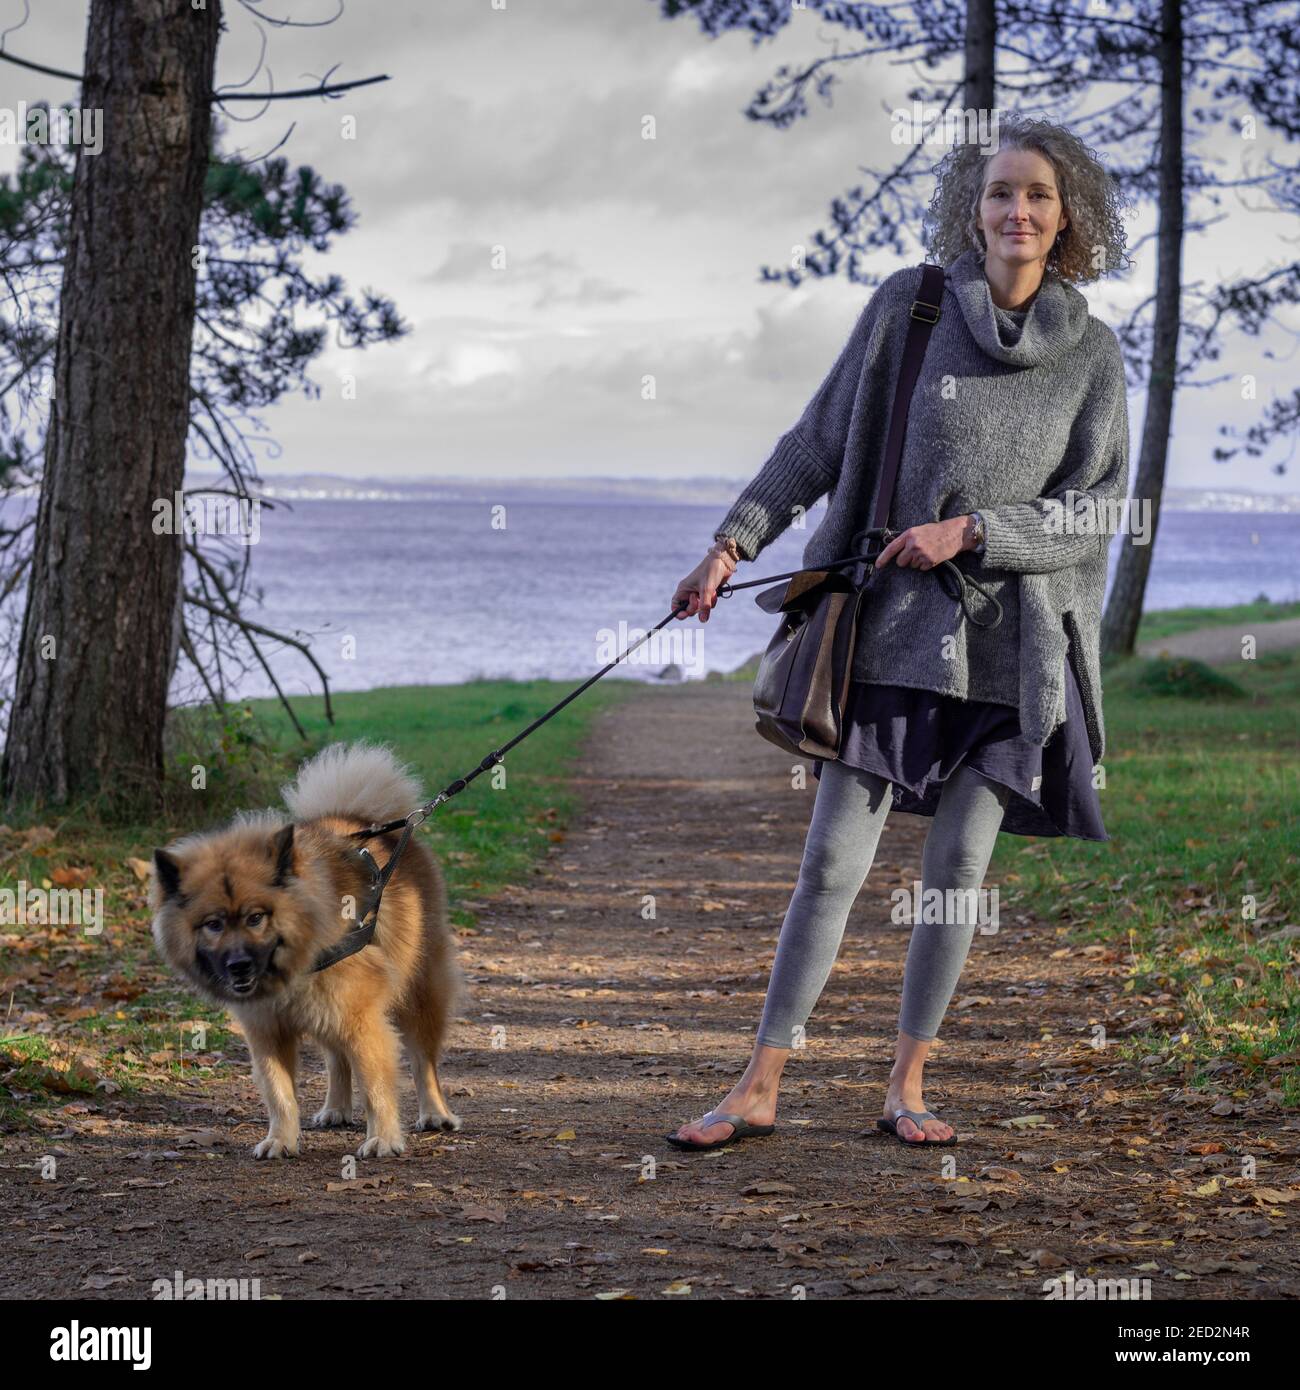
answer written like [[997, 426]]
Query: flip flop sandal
[[741, 1129], [916, 1116]]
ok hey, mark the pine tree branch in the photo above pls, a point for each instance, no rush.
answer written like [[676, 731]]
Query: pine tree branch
[[323, 90]]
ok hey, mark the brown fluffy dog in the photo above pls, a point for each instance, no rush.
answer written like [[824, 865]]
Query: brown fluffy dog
[[243, 913]]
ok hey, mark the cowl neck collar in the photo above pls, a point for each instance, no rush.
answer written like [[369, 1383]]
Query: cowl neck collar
[[1054, 323]]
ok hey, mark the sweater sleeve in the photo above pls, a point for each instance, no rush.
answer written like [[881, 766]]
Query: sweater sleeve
[[1070, 523], [806, 462]]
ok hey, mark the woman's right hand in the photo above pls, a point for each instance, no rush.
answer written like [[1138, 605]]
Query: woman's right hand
[[700, 587]]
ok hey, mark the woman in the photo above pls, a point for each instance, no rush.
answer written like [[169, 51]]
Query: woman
[[1016, 459]]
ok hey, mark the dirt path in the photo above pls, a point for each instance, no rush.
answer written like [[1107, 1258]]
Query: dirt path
[[1219, 644], [591, 1031]]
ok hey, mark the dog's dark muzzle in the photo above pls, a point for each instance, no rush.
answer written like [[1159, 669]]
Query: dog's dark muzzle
[[241, 973], [241, 970]]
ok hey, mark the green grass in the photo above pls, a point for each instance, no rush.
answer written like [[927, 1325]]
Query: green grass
[[1185, 678], [1201, 802]]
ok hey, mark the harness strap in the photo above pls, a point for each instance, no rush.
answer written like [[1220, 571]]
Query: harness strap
[[368, 918]]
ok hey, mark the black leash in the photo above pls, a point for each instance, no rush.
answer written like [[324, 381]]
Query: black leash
[[364, 932]]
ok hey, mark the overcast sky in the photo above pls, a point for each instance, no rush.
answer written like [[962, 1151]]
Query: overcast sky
[[522, 128]]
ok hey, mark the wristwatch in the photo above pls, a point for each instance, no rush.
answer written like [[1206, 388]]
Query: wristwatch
[[977, 533]]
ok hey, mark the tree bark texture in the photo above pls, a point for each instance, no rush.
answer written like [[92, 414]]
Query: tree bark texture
[[91, 688]]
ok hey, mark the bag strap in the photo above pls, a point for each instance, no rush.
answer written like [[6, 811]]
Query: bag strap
[[925, 314]]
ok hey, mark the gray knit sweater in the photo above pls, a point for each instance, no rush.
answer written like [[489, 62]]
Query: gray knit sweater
[[1025, 423]]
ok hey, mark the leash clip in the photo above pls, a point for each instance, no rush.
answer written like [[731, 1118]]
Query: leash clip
[[422, 813]]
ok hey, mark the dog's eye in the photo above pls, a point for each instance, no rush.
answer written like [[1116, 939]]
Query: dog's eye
[[212, 924], [254, 919]]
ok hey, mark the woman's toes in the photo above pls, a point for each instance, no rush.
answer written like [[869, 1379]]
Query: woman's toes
[[697, 1132], [909, 1130]]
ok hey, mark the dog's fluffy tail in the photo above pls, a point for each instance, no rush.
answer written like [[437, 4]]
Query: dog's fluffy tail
[[360, 780]]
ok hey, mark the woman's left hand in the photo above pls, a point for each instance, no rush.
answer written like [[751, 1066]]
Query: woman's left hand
[[923, 547]]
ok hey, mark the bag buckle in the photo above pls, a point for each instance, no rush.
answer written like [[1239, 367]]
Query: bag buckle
[[877, 538], [927, 313]]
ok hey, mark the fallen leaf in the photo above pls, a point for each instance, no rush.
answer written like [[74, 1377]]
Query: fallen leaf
[[72, 877], [198, 1139], [476, 1212]]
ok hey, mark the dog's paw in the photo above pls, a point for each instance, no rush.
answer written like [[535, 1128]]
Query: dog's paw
[[271, 1147], [379, 1147], [445, 1124], [331, 1119]]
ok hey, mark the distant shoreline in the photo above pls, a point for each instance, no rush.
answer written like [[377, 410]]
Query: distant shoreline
[[710, 491]]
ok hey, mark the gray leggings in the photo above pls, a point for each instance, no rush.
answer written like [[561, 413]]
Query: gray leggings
[[848, 815]]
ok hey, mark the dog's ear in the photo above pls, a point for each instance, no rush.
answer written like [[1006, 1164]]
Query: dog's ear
[[282, 855], [168, 873]]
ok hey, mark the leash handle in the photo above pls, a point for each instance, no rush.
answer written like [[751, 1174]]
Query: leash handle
[[964, 584]]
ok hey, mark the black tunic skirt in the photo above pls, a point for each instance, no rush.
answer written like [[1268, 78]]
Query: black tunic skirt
[[917, 738]]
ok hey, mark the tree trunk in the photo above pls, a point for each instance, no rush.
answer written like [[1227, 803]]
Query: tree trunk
[[91, 689], [1124, 607], [980, 75]]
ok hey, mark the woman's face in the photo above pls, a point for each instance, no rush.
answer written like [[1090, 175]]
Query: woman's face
[[1020, 210]]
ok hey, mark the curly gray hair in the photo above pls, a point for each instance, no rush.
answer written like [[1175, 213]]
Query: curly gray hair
[[1087, 247]]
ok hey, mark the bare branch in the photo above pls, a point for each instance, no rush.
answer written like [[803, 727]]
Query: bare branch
[[321, 90]]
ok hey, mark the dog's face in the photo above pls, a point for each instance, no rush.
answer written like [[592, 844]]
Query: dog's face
[[230, 913]]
